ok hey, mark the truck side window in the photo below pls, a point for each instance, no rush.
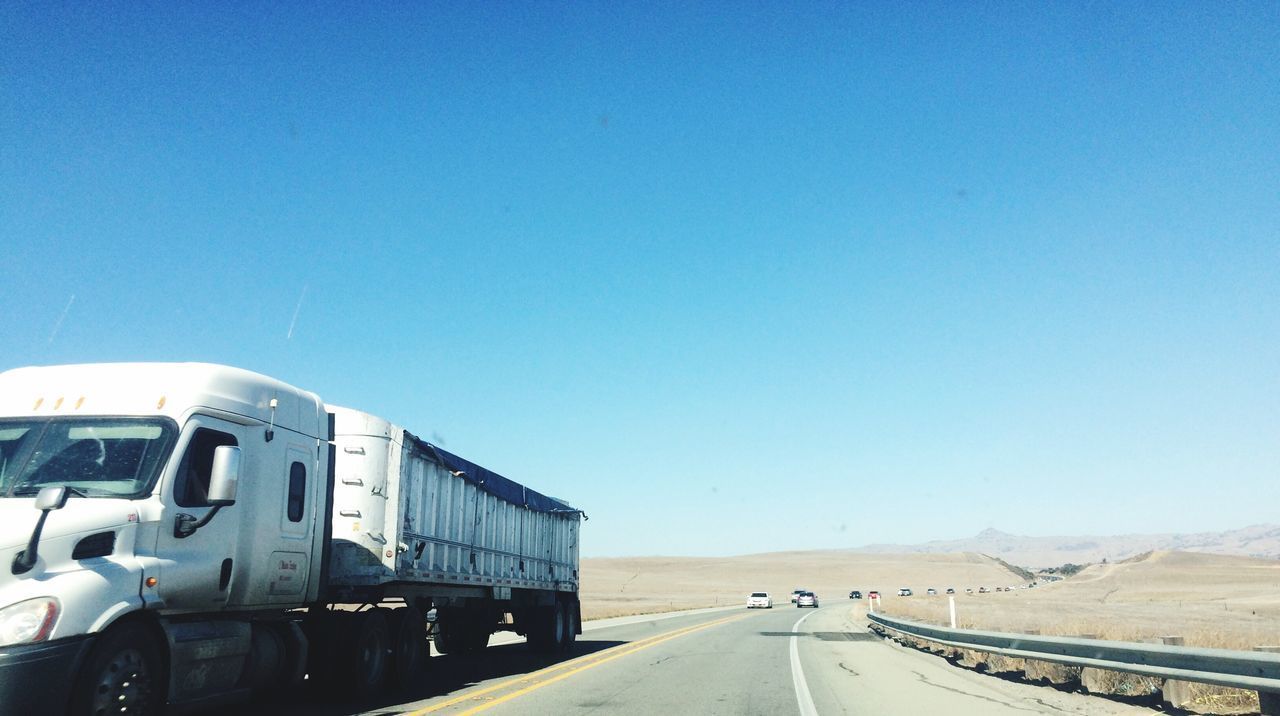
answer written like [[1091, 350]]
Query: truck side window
[[191, 488], [297, 491]]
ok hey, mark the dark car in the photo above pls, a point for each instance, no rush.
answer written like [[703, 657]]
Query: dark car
[[855, 594]]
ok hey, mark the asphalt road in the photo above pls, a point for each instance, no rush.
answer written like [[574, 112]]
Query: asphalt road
[[779, 661]]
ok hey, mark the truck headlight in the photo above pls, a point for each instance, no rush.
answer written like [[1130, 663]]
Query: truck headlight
[[28, 621]]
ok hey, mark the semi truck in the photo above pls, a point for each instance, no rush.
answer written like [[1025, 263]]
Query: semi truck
[[189, 535]]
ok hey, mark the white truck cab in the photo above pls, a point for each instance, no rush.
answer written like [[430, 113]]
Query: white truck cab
[[130, 536]]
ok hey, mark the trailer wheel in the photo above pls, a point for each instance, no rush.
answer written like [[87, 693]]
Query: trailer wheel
[[559, 625], [539, 628], [546, 628], [408, 645], [365, 650], [570, 634], [445, 639], [121, 676]]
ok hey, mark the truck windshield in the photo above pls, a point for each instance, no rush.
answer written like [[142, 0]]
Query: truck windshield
[[99, 457]]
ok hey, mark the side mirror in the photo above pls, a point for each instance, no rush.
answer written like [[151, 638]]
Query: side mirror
[[223, 479], [52, 498], [225, 476], [48, 499]]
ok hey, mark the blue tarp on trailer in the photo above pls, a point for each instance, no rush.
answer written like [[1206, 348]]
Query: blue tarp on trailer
[[491, 482]]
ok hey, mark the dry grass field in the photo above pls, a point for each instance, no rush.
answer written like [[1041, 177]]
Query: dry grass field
[[1209, 600], [638, 585]]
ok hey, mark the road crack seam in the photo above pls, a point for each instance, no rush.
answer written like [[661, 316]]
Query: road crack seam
[[962, 692]]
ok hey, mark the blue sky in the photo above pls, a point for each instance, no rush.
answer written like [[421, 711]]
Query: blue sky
[[732, 280]]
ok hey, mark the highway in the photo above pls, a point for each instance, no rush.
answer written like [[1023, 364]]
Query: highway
[[724, 661]]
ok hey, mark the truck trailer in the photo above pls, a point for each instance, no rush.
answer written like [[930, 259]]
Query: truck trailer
[[190, 535]]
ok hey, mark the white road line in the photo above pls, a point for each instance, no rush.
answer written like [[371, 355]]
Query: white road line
[[803, 698]]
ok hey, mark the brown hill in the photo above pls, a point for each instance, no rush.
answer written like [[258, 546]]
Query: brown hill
[[1211, 600], [1036, 552], [630, 585]]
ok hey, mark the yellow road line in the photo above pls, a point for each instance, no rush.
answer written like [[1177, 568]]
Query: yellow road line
[[582, 663]]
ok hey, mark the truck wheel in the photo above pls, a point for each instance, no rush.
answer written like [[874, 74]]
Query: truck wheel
[[121, 676], [541, 631], [365, 650], [408, 645], [570, 626], [559, 623], [445, 637]]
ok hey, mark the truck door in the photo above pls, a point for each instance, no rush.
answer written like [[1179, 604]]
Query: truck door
[[196, 571], [285, 555]]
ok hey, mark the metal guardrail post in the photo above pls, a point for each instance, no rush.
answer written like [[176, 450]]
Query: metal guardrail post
[[1269, 701], [1255, 671], [1175, 693]]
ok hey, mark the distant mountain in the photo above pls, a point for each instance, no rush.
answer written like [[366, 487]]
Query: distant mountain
[[1037, 552]]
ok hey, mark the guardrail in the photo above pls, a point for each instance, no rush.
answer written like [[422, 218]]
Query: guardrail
[[1258, 671]]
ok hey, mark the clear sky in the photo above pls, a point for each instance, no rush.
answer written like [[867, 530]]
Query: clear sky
[[730, 279]]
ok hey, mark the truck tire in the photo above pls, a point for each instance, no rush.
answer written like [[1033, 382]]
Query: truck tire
[[560, 626], [365, 648], [408, 645], [462, 631], [569, 632], [123, 675], [540, 632], [446, 637]]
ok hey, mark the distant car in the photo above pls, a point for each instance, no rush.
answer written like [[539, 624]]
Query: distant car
[[968, 590], [931, 592], [795, 593], [855, 594], [873, 594], [904, 592], [806, 599], [951, 590], [759, 600], [982, 590]]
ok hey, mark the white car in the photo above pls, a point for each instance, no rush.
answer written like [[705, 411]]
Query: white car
[[759, 600], [904, 592], [807, 599]]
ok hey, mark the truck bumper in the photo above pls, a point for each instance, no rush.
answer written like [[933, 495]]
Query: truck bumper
[[37, 678]]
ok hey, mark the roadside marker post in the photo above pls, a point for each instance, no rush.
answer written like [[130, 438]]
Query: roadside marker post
[[952, 603]]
